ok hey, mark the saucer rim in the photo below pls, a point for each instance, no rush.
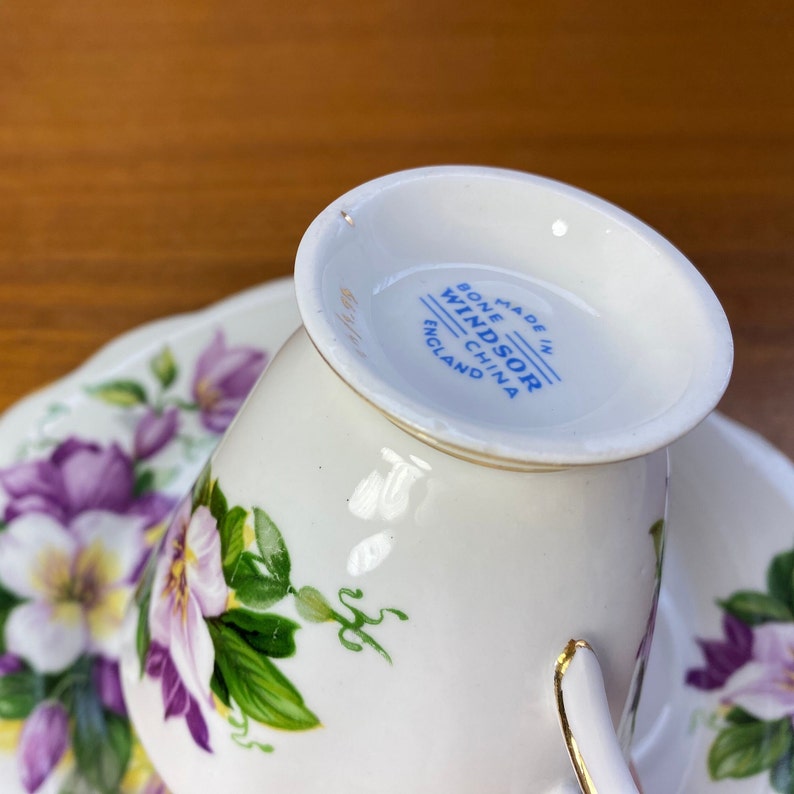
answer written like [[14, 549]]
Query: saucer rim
[[137, 340]]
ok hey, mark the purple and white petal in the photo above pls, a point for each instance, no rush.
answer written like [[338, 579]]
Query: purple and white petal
[[10, 664], [197, 726], [192, 651], [98, 479], [34, 503], [105, 620], [161, 611], [176, 699], [773, 643], [224, 376], [153, 507], [119, 538], [49, 637], [155, 785], [218, 418], [205, 578], [153, 431], [156, 659], [42, 743], [765, 685], [107, 682], [69, 447], [38, 477], [35, 555], [758, 689]]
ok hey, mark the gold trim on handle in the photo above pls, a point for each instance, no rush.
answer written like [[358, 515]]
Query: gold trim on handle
[[579, 765]]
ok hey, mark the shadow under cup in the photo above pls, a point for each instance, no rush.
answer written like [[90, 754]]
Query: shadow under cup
[[457, 465]]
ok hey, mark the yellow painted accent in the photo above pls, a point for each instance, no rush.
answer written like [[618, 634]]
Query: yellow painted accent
[[9, 734]]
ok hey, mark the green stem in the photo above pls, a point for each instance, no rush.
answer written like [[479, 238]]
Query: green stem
[[77, 675], [240, 734], [183, 405], [360, 619]]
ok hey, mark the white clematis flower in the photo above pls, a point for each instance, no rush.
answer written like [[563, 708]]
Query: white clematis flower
[[76, 582]]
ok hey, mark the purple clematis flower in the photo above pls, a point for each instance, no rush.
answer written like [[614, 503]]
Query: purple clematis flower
[[177, 700], [154, 430], [42, 743], [77, 477], [764, 686], [224, 376], [188, 586], [723, 657], [107, 683]]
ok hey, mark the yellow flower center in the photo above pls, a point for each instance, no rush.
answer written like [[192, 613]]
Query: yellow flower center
[[176, 584], [81, 581], [207, 395]]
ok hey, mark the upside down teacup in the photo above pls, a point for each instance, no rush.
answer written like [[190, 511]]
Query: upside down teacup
[[456, 466]]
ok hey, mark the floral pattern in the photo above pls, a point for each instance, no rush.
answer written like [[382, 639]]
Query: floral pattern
[[751, 670], [206, 630], [223, 378], [78, 520], [73, 584]]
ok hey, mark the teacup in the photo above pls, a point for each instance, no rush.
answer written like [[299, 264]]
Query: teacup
[[454, 468]]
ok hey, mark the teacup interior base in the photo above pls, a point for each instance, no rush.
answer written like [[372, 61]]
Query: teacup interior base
[[505, 349], [508, 317]]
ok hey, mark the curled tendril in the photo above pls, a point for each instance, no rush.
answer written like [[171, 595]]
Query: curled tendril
[[360, 619], [240, 734]]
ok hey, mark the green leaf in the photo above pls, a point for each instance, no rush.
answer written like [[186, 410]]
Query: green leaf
[[313, 606], [738, 716], [657, 533], [272, 635], [7, 602], [3, 619], [253, 587], [256, 685], [164, 367], [144, 482], [119, 743], [754, 608], [102, 742], [143, 637], [76, 783], [218, 686], [218, 504], [259, 592], [780, 578], [122, 393], [202, 489], [271, 545], [744, 750], [782, 775], [250, 564], [147, 480], [231, 529], [19, 694]]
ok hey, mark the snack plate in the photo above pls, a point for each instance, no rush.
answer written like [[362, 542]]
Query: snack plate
[[92, 464]]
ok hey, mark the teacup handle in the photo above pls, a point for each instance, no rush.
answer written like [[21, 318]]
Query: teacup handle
[[587, 724]]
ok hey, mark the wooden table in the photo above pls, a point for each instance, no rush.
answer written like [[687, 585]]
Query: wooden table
[[160, 154]]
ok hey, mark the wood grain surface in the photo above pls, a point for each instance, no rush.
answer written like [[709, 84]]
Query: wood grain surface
[[160, 154]]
